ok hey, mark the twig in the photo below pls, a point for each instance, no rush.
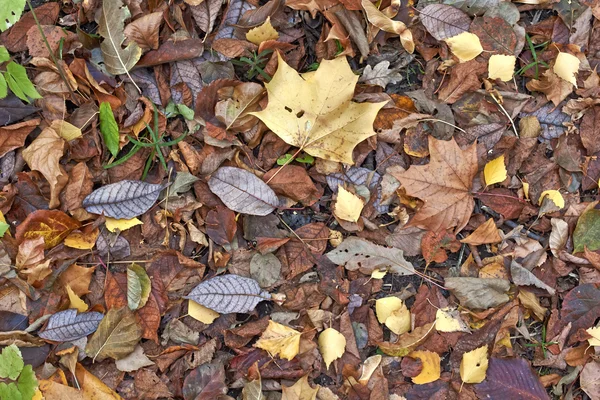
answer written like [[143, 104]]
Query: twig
[[505, 113], [476, 256]]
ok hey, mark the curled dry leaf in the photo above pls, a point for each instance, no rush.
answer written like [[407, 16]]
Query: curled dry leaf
[[478, 293], [385, 23], [484, 234], [123, 200], [144, 30]]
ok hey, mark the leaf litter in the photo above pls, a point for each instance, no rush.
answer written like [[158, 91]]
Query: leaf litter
[[299, 200]]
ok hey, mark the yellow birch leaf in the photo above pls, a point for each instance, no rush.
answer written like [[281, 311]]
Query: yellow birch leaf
[[566, 66], [384, 307], [431, 366], [448, 320], [526, 189], [348, 206], [377, 274], [399, 321], [332, 345], [595, 333], [262, 33], [201, 313], [66, 130], [495, 171], [279, 340], [75, 301], [501, 67], [82, 241], [474, 365], [465, 46], [315, 112], [112, 224], [553, 195]]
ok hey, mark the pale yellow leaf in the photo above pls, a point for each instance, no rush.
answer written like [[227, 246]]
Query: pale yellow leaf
[[315, 112], [75, 301], [348, 206], [300, 390], [66, 130], [595, 333], [385, 306], [201, 313], [369, 366], [448, 320], [566, 66], [385, 23], [377, 274], [553, 195], [501, 67], [82, 241], [526, 189], [495, 171], [280, 340], [113, 224], [465, 46], [262, 33], [399, 321], [474, 365], [332, 345], [431, 366]]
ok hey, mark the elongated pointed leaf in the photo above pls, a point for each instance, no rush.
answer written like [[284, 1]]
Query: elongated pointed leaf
[[123, 200], [228, 294], [443, 21], [118, 60], [243, 191], [109, 129], [117, 335], [67, 325]]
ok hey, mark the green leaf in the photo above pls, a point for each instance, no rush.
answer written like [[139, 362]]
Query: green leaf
[[587, 231], [10, 12], [27, 383], [185, 112], [3, 87], [19, 82], [10, 392], [138, 287], [284, 159], [3, 228], [306, 159], [11, 362], [4, 56], [109, 129]]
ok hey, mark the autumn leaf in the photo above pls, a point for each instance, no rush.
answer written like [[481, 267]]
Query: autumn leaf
[[13, 136], [315, 112], [450, 171], [116, 337], [431, 366], [332, 345], [280, 340], [474, 365], [54, 226], [300, 390]]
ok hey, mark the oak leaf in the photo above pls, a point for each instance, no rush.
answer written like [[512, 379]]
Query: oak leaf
[[444, 184], [315, 111]]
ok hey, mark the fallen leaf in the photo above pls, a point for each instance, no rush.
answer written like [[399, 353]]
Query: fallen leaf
[[554, 196], [495, 171], [301, 390], [587, 231], [566, 66], [485, 233], [134, 361], [315, 113], [521, 276], [82, 240], [465, 46], [54, 226], [448, 320], [201, 313], [144, 30], [501, 67], [408, 341], [450, 171], [431, 366], [117, 60], [474, 365], [13, 136], [511, 378], [443, 21], [75, 301], [123, 200], [120, 225], [44, 155], [581, 306], [392, 312], [589, 379], [478, 293], [116, 337], [65, 326], [332, 345], [138, 287], [380, 74], [280, 340], [385, 23], [348, 206], [262, 33]]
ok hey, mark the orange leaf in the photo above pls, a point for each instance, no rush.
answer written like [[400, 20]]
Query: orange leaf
[[485, 233], [52, 225]]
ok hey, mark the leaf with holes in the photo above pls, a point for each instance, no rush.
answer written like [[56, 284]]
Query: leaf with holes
[[123, 200], [229, 294], [356, 253], [243, 191], [67, 325], [443, 21]]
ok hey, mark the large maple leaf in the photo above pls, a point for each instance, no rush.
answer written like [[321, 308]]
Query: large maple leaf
[[444, 185], [315, 111]]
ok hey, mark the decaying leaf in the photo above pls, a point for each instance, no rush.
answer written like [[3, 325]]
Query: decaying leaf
[[348, 206], [431, 366], [116, 337], [316, 113], [65, 326], [118, 60], [566, 66], [123, 200], [479, 293], [54, 226], [448, 320], [380, 74], [474, 365]]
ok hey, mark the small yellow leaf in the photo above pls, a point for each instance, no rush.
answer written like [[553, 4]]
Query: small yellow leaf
[[332, 345], [377, 274], [384, 307], [348, 206], [566, 66], [431, 366], [66, 130], [280, 340], [595, 333], [474, 365], [501, 67], [113, 224], [465, 46], [553, 195], [75, 300], [201, 313], [82, 241], [526, 189], [448, 320], [262, 33], [399, 321], [369, 366], [495, 171]]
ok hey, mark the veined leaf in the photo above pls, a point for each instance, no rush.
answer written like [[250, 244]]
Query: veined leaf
[[138, 287], [67, 325], [109, 129], [117, 335], [123, 200], [19, 83]]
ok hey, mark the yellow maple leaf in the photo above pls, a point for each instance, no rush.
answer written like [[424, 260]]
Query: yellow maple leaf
[[501, 67], [495, 171], [474, 365], [465, 46], [280, 340], [201, 313], [75, 301], [431, 366], [315, 112], [566, 66], [332, 345], [112, 224], [348, 206], [262, 33]]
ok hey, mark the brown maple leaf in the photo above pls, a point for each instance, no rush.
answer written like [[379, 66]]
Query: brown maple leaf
[[444, 185]]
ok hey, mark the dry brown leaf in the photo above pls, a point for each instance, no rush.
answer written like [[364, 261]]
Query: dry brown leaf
[[485, 233], [450, 171], [144, 30], [13, 136]]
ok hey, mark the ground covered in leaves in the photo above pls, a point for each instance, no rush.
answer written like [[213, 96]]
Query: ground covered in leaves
[[299, 199]]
